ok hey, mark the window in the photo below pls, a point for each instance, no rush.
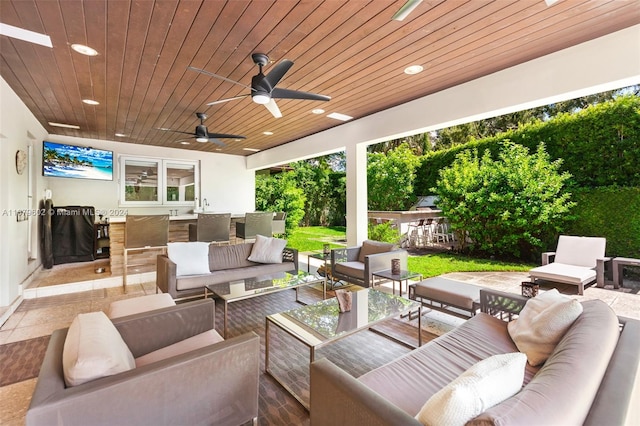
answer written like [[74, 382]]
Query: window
[[155, 182]]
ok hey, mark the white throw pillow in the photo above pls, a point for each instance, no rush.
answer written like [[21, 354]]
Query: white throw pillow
[[190, 258], [267, 250], [93, 349], [542, 323], [482, 386]]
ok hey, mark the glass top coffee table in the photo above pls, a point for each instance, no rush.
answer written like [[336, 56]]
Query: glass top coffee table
[[234, 291], [321, 323]]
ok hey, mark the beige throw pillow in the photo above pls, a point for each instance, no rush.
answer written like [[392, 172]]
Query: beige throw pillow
[[482, 386], [373, 247], [93, 349], [267, 250], [191, 258], [542, 323]]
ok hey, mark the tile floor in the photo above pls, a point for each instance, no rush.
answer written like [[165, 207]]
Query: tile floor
[[40, 316]]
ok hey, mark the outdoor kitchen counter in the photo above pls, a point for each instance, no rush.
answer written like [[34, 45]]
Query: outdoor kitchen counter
[[178, 231]]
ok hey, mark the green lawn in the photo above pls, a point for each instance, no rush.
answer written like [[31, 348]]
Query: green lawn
[[312, 238]]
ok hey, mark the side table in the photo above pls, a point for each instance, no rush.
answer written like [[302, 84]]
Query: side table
[[326, 263], [399, 278], [617, 264]]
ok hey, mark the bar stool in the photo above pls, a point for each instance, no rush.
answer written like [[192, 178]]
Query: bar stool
[[254, 224], [211, 228], [144, 232]]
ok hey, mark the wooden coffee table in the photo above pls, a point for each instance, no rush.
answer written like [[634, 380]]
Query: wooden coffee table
[[234, 291]]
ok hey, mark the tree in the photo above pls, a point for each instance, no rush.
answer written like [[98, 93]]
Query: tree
[[390, 178], [280, 193], [509, 206]]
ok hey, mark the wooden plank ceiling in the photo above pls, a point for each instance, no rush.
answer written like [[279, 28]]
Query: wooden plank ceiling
[[349, 50]]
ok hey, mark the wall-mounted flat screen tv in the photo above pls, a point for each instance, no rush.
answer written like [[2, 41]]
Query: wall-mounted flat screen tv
[[71, 161]]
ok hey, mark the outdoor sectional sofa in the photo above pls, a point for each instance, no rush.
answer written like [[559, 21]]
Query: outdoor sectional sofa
[[226, 263], [589, 378]]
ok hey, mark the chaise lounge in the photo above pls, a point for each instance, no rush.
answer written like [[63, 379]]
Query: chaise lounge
[[577, 261]]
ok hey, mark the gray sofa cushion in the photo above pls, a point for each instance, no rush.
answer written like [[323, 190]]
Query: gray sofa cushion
[[566, 385], [226, 275], [229, 257], [411, 380], [352, 269]]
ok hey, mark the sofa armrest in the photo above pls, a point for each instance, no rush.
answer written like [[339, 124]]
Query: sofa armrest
[[217, 383], [601, 267], [547, 257], [381, 261], [148, 331], [290, 254], [500, 304], [337, 398], [166, 275], [616, 400]]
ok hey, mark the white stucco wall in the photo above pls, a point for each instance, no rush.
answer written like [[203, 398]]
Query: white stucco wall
[[224, 180], [18, 130]]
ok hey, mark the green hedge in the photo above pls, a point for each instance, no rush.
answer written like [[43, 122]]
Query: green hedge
[[600, 146], [613, 213]]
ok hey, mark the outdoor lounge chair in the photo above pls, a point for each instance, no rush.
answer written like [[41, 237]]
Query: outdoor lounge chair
[[577, 260]]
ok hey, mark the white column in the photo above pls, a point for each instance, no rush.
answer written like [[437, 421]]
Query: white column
[[356, 194]]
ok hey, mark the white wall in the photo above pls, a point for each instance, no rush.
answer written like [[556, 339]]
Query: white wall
[[224, 180], [18, 130]]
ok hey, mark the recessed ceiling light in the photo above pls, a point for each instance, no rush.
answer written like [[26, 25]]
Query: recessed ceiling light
[[185, 143], [237, 140], [413, 69], [90, 102], [85, 50], [120, 135], [318, 111], [267, 133], [250, 149], [164, 128], [338, 116], [66, 126]]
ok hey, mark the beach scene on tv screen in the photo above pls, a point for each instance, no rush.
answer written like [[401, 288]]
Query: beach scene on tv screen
[[63, 160]]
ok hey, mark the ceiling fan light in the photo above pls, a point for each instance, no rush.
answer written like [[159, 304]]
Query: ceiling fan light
[[202, 140], [261, 98]]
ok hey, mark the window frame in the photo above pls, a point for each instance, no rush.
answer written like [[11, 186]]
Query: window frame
[[162, 164]]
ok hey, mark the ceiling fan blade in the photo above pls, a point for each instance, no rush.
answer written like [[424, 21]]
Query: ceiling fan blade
[[273, 108], [217, 76], [217, 142], [174, 131], [225, 135], [296, 94], [277, 72], [227, 100]]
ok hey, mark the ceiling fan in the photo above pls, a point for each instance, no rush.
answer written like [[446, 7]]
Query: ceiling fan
[[202, 134], [263, 87]]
